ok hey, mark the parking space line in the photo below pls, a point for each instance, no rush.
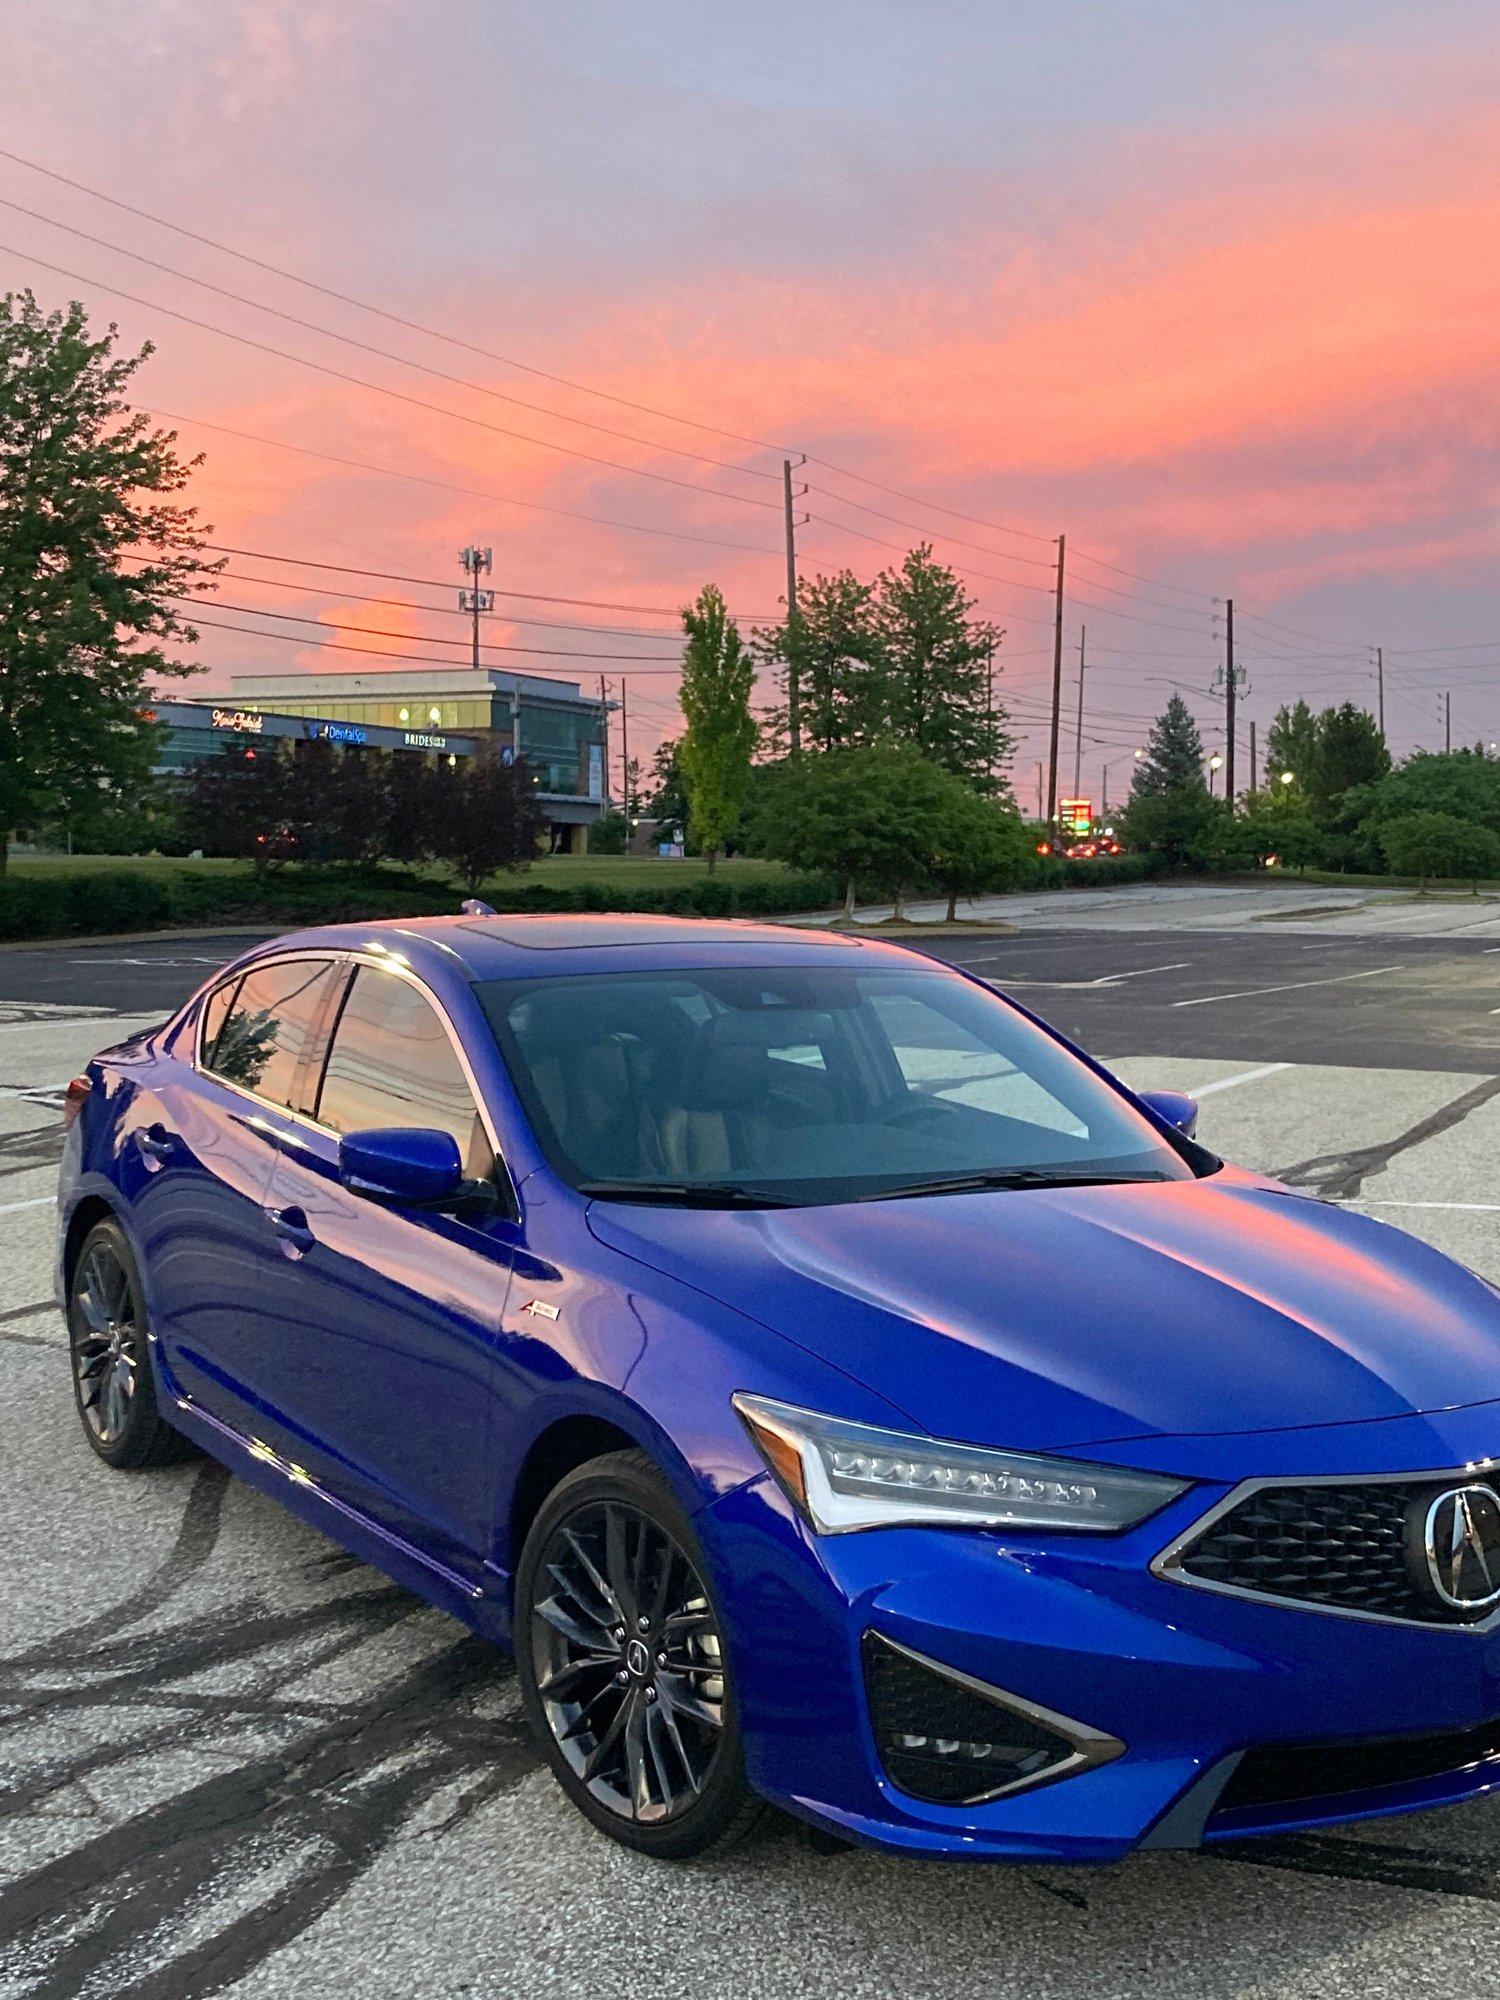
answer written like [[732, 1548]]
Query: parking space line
[[1245, 1076], [14, 1207], [1293, 986], [1469, 1207]]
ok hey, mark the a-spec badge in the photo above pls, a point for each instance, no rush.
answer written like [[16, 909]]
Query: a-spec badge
[[539, 1309]]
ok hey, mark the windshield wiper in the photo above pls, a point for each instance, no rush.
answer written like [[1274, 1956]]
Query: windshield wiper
[[1005, 1177], [686, 1194]]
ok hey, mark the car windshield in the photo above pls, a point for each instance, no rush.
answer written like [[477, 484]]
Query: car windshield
[[807, 1085]]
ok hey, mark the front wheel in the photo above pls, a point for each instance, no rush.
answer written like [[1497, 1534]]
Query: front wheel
[[623, 1667], [108, 1344]]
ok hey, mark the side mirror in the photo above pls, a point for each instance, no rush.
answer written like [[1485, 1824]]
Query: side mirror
[[1174, 1108], [402, 1164]]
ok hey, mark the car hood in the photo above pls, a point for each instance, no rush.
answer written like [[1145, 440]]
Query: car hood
[[1048, 1319]]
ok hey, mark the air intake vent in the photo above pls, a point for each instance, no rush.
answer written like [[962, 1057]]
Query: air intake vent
[[948, 1740]]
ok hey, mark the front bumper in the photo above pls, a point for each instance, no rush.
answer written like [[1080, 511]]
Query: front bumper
[[1188, 1680]]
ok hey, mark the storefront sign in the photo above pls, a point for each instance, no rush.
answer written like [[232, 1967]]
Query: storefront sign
[[340, 732], [416, 740], [237, 719]]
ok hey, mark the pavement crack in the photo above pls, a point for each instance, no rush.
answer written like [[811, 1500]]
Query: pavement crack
[[1341, 1176]]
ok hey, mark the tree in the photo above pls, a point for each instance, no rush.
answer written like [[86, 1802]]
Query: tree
[[716, 746], [881, 815], [485, 817], [1346, 753], [833, 644], [666, 799], [936, 664], [1460, 784], [1174, 755], [977, 847], [239, 804], [1433, 843], [1175, 824], [1291, 745], [96, 560]]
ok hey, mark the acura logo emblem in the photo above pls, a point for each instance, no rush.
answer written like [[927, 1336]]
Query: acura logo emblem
[[1461, 1542]]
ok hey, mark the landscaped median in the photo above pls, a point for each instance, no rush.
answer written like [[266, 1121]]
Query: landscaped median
[[82, 897]]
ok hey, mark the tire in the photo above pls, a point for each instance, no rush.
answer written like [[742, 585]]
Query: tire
[[114, 1386], [623, 1667]]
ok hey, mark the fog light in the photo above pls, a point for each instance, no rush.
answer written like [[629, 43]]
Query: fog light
[[951, 1740]]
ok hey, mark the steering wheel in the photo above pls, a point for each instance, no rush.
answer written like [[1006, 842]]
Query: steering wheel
[[913, 1112]]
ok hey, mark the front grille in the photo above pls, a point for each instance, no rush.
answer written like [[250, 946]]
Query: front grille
[[1304, 1771], [941, 1741], [1343, 1546]]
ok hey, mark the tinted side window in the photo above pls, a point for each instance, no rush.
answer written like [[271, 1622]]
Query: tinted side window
[[268, 1027], [392, 1063], [215, 1008]]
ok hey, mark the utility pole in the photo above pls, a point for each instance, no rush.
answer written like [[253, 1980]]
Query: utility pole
[[1038, 787], [1083, 639], [625, 755], [476, 562], [793, 691], [1448, 723], [1057, 652], [1252, 757], [1229, 705], [604, 723], [1380, 688]]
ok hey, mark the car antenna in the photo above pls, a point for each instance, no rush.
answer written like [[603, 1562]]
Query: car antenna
[[472, 907]]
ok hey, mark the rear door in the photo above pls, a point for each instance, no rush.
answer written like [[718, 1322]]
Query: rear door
[[206, 1136], [380, 1342]]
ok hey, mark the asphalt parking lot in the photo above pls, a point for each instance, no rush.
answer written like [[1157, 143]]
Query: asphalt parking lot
[[235, 1761]]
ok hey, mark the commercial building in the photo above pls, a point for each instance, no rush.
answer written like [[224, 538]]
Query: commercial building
[[199, 729], [557, 729]]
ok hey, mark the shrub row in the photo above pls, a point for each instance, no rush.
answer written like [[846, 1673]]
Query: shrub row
[[80, 903]]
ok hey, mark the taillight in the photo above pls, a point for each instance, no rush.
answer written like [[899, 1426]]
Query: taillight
[[73, 1099]]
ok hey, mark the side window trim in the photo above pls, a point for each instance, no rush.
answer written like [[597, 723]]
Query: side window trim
[[203, 1055], [307, 1085]]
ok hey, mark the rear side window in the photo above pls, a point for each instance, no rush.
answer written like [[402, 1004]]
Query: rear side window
[[267, 1029], [392, 1063], [215, 1010]]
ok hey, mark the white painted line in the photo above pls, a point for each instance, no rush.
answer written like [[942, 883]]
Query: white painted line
[[1114, 978], [1245, 1076], [15, 1207], [1294, 986]]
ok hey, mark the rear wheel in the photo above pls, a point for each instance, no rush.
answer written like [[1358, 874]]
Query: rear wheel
[[107, 1340], [622, 1663]]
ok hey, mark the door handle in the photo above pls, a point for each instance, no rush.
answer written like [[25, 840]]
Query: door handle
[[290, 1226], [155, 1142]]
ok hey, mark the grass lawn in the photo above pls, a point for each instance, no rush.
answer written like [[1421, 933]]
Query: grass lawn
[[617, 871]]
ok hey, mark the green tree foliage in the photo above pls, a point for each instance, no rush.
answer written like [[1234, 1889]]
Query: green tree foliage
[[1291, 746], [238, 804], [888, 817], [936, 665], [609, 834], [1179, 825], [1427, 844], [715, 749], [85, 483], [484, 817], [903, 657], [665, 797], [1464, 784], [1174, 756], [1347, 752]]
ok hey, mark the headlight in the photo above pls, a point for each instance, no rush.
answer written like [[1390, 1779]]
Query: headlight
[[846, 1476]]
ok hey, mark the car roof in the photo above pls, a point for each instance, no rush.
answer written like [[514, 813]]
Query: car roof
[[516, 947]]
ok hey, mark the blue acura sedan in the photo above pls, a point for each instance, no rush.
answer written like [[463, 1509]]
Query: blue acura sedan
[[835, 1388]]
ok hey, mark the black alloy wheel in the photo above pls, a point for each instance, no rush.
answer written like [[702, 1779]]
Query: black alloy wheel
[[623, 1666], [108, 1344]]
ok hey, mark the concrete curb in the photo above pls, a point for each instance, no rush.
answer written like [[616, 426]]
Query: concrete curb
[[141, 937]]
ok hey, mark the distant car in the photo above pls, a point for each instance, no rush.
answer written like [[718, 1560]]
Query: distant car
[[837, 1389]]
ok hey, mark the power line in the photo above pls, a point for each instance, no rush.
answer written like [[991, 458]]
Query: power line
[[385, 353], [382, 389], [425, 659], [393, 319], [974, 520], [939, 534], [426, 638], [471, 492]]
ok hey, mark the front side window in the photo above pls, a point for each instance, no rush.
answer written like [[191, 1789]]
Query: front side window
[[809, 1085], [267, 1028], [391, 1063]]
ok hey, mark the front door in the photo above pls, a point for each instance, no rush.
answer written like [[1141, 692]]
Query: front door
[[384, 1322]]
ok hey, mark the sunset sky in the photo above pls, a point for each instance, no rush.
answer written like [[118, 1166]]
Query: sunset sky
[[1213, 289]]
